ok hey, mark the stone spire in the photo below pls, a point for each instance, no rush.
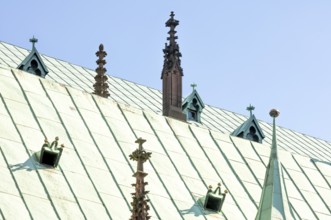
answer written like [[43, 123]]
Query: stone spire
[[171, 50], [139, 203], [273, 202], [172, 74], [101, 85]]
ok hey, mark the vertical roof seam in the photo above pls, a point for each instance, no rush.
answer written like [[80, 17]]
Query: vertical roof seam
[[82, 74], [318, 169], [217, 121], [97, 146], [299, 191], [74, 146], [118, 85], [219, 175], [225, 158], [141, 94], [55, 67], [246, 163], [45, 136], [298, 147], [28, 153], [124, 155], [258, 155], [304, 173], [9, 58], [16, 184], [74, 74], [158, 175], [11, 52], [217, 114], [235, 173], [179, 174]]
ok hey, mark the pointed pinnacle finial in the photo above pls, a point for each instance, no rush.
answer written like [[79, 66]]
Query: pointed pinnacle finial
[[33, 40], [274, 114], [140, 141], [172, 14], [172, 22], [193, 85], [250, 108]]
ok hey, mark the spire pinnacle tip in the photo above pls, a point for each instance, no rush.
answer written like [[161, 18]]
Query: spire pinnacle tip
[[274, 113]]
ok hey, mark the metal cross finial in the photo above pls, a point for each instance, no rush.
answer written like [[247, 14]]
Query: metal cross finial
[[193, 85], [250, 108], [140, 141], [172, 15], [33, 40]]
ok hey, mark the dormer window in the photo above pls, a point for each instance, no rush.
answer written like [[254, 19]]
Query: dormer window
[[192, 115], [252, 135], [192, 106], [33, 62], [250, 129]]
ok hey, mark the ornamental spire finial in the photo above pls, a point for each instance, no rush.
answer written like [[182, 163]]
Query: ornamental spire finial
[[33, 40], [193, 85], [139, 204], [101, 85], [250, 108], [274, 114], [171, 50]]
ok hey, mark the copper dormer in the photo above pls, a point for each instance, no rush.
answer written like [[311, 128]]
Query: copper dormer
[[172, 74], [33, 63], [250, 129], [101, 85]]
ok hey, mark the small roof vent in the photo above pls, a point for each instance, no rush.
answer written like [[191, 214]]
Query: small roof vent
[[33, 62], [193, 106], [250, 129], [214, 200], [50, 153]]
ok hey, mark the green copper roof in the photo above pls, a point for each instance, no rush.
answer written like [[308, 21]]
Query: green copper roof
[[94, 176]]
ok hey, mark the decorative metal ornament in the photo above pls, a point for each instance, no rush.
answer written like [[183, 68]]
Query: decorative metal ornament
[[215, 199]]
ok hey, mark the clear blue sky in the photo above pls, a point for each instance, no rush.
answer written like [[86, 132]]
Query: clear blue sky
[[267, 53]]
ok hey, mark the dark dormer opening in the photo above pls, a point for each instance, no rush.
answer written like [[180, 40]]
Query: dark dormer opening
[[252, 135], [192, 115], [49, 158], [193, 106], [214, 200], [33, 62], [250, 129], [50, 153]]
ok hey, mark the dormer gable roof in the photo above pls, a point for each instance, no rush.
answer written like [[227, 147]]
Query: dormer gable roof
[[33, 63], [249, 129], [193, 103]]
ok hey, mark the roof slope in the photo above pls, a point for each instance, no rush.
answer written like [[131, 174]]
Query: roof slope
[[94, 177], [149, 99]]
